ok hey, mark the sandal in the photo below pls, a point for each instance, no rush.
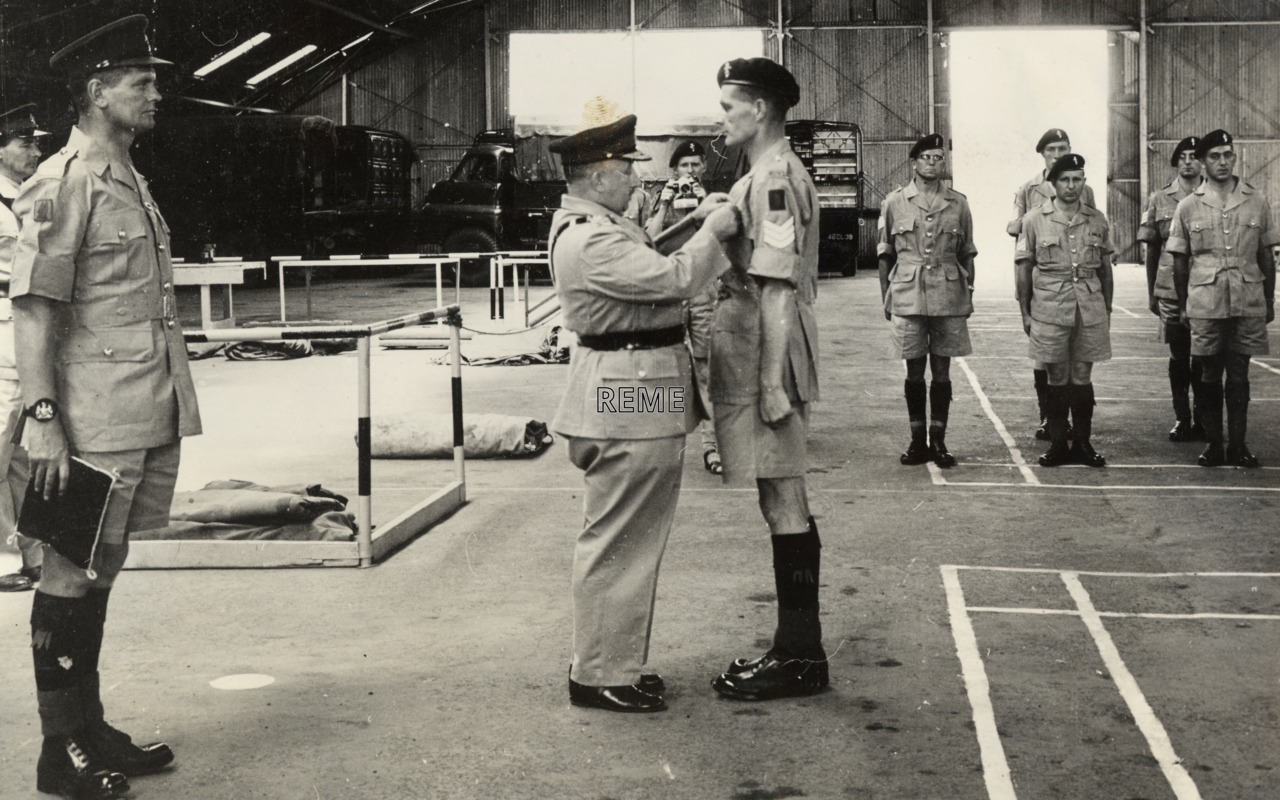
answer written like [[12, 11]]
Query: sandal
[[711, 460]]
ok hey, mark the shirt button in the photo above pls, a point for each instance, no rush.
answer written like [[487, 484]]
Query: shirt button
[[640, 373], [120, 311], [170, 323], [148, 205], [1072, 236], [166, 285], [122, 234], [1228, 247], [108, 352], [930, 233], [1073, 249], [928, 219], [928, 249], [160, 246]]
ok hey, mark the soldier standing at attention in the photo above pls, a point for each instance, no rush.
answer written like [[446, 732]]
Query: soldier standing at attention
[[628, 404], [1054, 144], [1225, 275], [19, 157], [764, 368], [1063, 270], [926, 282], [104, 377], [1162, 297]]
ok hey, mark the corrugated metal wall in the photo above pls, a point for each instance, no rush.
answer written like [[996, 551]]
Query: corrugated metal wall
[[866, 62]]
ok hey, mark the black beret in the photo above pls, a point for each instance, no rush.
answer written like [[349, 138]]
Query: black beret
[[1211, 140], [122, 43], [1050, 136], [686, 149], [615, 140], [762, 74], [1068, 162], [931, 142], [20, 122], [1191, 143]]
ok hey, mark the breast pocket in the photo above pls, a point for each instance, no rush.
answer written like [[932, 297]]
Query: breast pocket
[[109, 345], [904, 237], [1250, 237], [1201, 237], [1093, 246], [110, 240]]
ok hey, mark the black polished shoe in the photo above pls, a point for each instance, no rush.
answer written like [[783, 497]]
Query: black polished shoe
[[941, 456], [1058, 454], [1083, 453], [66, 768], [1181, 431], [31, 573], [1241, 457], [917, 453], [624, 699], [1197, 434], [773, 676], [115, 749], [1042, 433], [1212, 456], [741, 665], [652, 683]]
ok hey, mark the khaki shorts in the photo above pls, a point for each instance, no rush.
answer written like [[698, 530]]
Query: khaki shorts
[[916, 335], [1170, 311], [1247, 335], [143, 492], [750, 449], [1062, 344]]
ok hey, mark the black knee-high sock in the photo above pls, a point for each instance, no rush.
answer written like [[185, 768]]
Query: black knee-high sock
[[939, 405], [917, 412], [90, 684], [796, 565], [57, 624], [1041, 379], [1082, 403]]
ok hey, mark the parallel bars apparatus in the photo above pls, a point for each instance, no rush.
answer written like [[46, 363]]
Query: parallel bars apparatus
[[391, 535], [393, 259]]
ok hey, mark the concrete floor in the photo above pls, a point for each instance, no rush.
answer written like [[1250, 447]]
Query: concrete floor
[[441, 672]]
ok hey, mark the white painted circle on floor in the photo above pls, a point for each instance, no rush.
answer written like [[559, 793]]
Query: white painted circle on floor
[[236, 683]]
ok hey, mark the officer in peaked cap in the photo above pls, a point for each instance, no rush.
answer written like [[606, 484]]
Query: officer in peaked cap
[[114, 389], [926, 254], [1162, 298], [19, 157], [1053, 144], [764, 373], [1064, 287], [629, 400], [1224, 270]]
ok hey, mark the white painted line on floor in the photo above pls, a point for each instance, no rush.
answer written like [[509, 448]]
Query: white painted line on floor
[[1020, 398], [1157, 738], [995, 767], [1140, 331], [935, 474], [1119, 488], [1191, 465], [1095, 573], [1024, 358], [1067, 612], [985, 402], [1124, 310], [1267, 367]]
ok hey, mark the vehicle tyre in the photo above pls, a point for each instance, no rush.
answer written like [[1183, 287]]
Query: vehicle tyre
[[472, 240]]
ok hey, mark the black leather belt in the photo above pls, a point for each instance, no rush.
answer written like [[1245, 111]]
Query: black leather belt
[[635, 340]]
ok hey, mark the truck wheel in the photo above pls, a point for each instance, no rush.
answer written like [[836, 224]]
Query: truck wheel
[[472, 240]]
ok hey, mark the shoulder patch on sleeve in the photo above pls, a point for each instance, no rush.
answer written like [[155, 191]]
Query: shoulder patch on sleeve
[[43, 211], [777, 200]]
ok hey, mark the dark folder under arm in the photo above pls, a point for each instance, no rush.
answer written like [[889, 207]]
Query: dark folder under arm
[[70, 523]]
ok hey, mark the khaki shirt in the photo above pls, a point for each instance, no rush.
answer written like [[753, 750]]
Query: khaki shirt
[[779, 207], [1066, 254], [927, 241], [609, 279], [1223, 245], [93, 238], [1033, 194], [8, 240], [1154, 230]]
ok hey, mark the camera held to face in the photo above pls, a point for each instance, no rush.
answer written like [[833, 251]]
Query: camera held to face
[[688, 193]]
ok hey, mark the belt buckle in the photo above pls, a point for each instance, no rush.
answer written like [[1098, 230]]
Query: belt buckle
[[629, 346]]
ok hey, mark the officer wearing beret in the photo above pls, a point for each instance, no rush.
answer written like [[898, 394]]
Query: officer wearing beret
[[1162, 298], [19, 157], [1053, 144], [1225, 278], [1064, 281], [104, 377], [678, 198], [628, 404], [926, 254], [764, 368]]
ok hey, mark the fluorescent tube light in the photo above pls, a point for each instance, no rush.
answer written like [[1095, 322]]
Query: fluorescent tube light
[[281, 64], [231, 55]]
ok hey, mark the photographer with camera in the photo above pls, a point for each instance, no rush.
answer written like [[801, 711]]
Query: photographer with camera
[[678, 198]]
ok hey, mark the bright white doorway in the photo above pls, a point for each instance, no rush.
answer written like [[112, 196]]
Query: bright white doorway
[[1008, 88]]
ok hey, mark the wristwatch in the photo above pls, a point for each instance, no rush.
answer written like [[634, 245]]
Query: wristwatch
[[42, 410]]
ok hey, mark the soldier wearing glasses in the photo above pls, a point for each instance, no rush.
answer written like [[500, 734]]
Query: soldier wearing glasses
[[1162, 297], [1224, 274], [926, 281]]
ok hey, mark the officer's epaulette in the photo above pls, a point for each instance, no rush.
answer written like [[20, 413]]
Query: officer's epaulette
[[959, 194], [601, 219], [55, 166]]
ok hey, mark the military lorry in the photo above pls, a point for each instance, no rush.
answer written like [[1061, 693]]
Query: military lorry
[[501, 195], [264, 185]]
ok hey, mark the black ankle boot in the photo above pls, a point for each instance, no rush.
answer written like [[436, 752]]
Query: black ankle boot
[[1209, 411], [1237, 402], [67, 768], [1059, 451]]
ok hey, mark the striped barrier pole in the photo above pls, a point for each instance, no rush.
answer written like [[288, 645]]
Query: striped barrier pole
[[459, 436], [493, 290], [364, 450], [502, 285], [439, 288]]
